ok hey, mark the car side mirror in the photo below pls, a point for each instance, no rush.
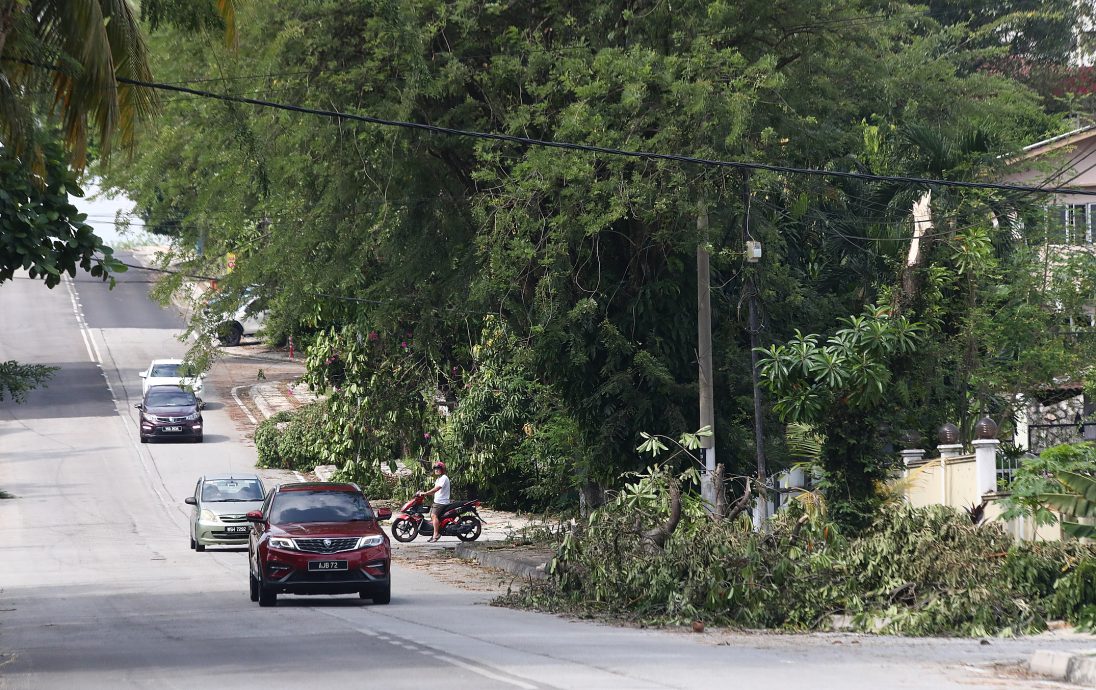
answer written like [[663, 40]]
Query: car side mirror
[[201, 404], [139, 406], [190, 501], [384, 513], [142, 374], [254, 516]]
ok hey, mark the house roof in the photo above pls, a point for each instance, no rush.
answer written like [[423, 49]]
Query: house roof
[[1044, 147]]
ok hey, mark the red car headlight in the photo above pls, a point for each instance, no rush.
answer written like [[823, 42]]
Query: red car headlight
[[371, 540], [283, 543]]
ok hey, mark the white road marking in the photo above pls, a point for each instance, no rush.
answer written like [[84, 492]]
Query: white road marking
[[236, 397], [485, 673], [80, 320], [479, 669], [155, 479]]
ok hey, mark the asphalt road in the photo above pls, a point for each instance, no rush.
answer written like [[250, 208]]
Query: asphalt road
[[98, 588]]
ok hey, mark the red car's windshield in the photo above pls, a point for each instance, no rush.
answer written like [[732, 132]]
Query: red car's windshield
[[319, 506]]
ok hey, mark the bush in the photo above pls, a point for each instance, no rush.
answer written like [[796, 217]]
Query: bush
[[289, 440], [913, 571], [266, 438]]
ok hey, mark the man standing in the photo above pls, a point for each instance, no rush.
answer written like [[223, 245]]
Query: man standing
[[440, 492]]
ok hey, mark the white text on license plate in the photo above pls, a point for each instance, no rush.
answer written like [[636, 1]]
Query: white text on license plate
[[327, 565]]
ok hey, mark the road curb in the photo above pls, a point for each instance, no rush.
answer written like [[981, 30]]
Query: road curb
[[493, 559], [1078, 668]]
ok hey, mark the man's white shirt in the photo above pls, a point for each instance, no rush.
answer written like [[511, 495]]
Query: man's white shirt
[[442, 485]]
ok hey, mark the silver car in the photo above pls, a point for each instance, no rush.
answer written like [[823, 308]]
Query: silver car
[[220, 506]]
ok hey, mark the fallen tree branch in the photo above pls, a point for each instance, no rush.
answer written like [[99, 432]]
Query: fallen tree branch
[[656, 537], [742, 502]]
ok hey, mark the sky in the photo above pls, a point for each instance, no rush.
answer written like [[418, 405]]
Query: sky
[[102, 213]]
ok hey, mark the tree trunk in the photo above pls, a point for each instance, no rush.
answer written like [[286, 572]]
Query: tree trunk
[[720, 497], [656, 537], [922, 226], [589, 498], [7, 21]]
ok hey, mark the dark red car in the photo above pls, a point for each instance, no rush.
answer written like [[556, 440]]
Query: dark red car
[[318, 538]]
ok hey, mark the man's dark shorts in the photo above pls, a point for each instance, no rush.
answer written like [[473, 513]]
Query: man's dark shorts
[[438, 508]]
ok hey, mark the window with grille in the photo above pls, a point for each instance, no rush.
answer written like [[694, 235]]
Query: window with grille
[[1071, 224]]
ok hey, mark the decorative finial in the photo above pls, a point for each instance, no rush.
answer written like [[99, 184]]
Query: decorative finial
[[948, 434], [986, 428]]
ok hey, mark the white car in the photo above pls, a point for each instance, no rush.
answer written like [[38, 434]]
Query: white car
[[170, 372], [246, 319]]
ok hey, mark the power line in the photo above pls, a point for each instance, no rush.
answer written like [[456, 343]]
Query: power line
[[586, 148], [649, 155]]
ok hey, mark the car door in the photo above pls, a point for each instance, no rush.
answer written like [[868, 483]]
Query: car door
[[257, 529], [196, 509]]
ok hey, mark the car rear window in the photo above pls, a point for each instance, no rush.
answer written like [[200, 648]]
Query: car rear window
[[231, 490], [165, 370], [319, 506]]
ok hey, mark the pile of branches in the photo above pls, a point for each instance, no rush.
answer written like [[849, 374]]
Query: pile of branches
[[655, 556]]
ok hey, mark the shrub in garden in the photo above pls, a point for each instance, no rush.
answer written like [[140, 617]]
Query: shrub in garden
[[288, 440], [266, 438]]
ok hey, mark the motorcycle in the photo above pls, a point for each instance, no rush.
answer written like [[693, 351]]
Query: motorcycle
[[459, 519]]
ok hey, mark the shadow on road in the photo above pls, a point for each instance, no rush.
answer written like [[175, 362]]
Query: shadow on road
[[323, 601]]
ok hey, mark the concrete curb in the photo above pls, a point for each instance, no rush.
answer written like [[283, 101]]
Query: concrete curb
[[493, 559], [1078, 668]]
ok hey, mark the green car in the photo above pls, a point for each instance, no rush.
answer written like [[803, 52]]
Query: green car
[[220, 506]]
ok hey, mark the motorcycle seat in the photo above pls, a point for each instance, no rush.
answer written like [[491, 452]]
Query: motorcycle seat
[[457, 506]]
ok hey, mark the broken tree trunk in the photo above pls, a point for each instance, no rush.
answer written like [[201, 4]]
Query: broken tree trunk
[[656, 537]]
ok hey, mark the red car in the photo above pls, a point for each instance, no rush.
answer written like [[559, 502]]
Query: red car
[[318, 538]]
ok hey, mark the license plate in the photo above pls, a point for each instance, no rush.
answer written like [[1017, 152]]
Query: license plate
[[327, 565], [173, 428], [236, 529]]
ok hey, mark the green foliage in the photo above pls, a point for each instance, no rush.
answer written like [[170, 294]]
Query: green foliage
[[1038, 477], [267, 435], [586, 262], [926, 571], [851, 369], [17, 379], [378, 393], [840, 385], [292, 440], [41, 232], [88, 46], [1077, 501]]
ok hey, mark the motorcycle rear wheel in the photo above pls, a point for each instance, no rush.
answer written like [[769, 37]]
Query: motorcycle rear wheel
[[469, 535], [404, 530]]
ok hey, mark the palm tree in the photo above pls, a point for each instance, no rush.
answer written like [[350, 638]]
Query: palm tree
[[85, 46], [78, 51]]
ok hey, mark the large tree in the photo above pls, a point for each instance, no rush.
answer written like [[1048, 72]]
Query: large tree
[[548, 296]]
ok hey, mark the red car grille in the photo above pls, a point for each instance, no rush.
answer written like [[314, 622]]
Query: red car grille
[[327, 545]]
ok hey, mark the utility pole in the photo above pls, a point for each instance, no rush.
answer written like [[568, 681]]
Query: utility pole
[[704, 354], [761, 512]]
